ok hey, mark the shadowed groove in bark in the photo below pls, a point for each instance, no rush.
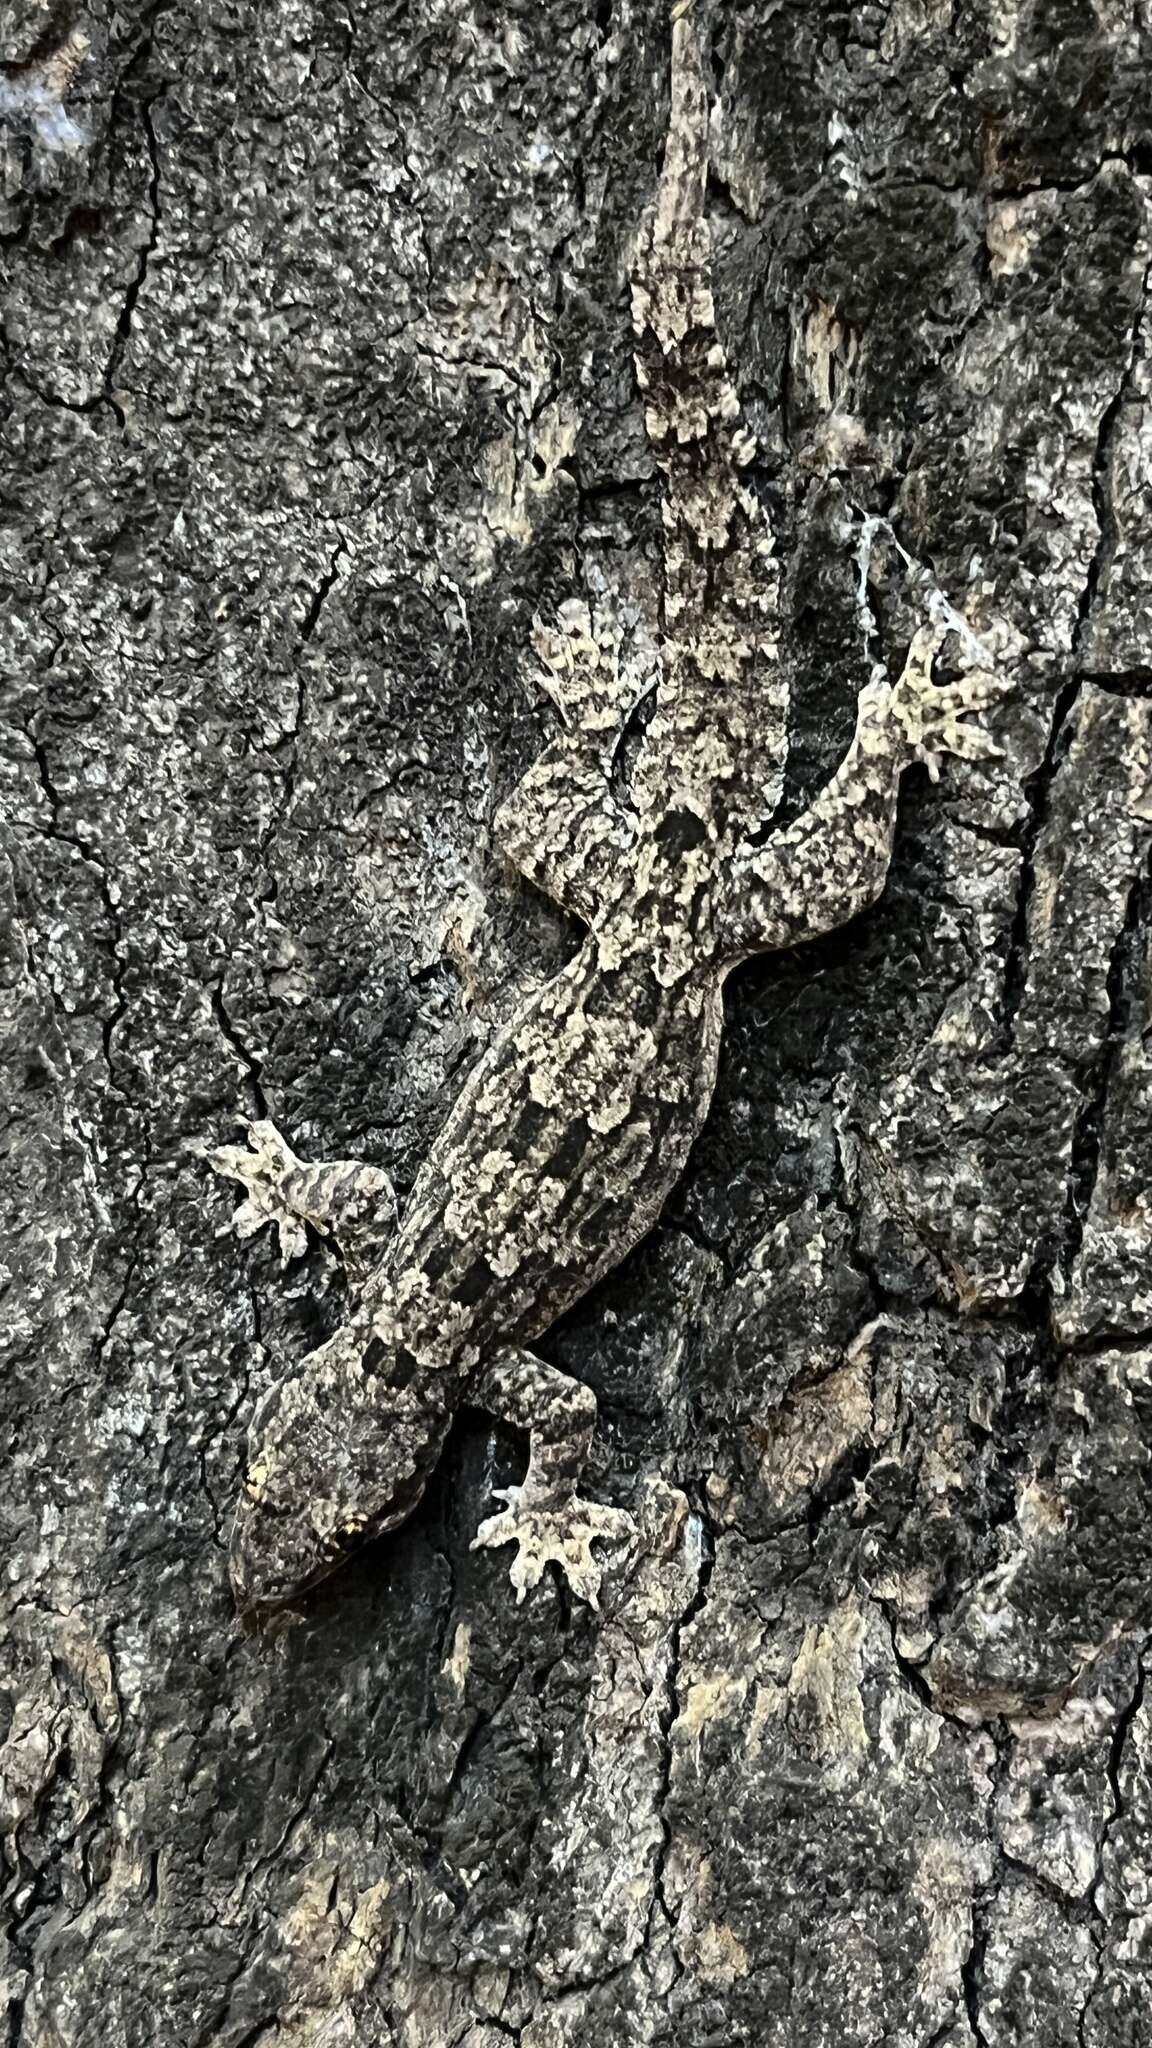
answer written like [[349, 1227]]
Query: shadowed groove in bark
[[1088, 1133], [1037, 790]]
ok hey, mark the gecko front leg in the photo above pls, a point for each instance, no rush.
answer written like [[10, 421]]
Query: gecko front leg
[[341, 1198], [833, 861], [545, 1516], [561, 825]]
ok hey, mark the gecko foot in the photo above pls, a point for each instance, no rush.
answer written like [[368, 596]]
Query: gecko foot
[[342, 1197], [551, 1532], [934, 719]]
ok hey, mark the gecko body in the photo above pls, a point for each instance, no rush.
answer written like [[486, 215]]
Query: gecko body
[[524, 1201], [577, 1120]]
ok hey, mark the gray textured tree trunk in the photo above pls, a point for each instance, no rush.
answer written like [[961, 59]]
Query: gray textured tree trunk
[[319, 388]]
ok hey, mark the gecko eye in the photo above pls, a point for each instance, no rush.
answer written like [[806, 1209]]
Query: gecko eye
[[392, 1363], [681, 830]]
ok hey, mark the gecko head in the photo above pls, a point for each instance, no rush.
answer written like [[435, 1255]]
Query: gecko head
[[327, 1470]]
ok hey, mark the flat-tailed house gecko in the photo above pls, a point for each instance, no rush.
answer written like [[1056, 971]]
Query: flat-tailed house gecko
[[577, 1119]]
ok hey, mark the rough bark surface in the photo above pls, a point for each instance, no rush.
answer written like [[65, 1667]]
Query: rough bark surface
[[318, 389]]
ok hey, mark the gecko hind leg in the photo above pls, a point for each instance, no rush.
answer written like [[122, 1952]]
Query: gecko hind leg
[[545, 1516], [341, 1198]]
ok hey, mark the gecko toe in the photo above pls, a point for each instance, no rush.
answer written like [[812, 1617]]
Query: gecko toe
[[560, 1533]]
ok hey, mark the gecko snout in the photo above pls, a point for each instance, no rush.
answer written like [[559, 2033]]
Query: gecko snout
[[329, 1467], [264, 1574], [286, 1536]]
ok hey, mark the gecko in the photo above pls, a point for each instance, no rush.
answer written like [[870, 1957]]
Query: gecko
[[577, 1119]]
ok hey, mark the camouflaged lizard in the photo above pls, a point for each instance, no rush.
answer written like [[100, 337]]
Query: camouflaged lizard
[[578, 1118]]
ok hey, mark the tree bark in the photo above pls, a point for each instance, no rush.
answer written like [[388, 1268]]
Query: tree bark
[[319, 389]]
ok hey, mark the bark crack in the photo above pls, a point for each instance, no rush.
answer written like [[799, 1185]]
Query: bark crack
[[1037, 791], [115, 943], [127, 311], [669, 1710], [253, 1066], [1088, 1129], [290, 738]]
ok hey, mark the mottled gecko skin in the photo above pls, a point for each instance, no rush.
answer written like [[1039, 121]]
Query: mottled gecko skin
[[578, 1119]]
